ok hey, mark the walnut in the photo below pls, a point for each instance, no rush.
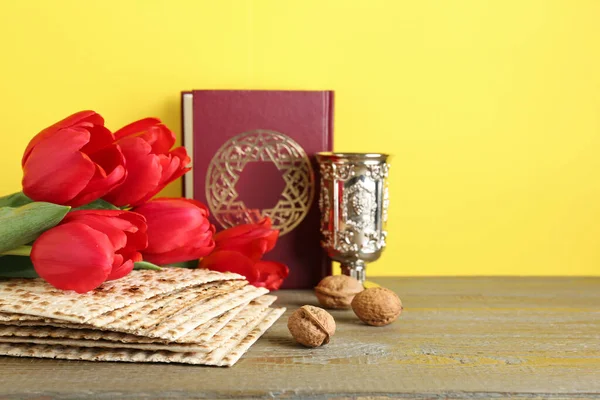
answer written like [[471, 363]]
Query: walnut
[[311, 326], [377, 306], [337, 291]]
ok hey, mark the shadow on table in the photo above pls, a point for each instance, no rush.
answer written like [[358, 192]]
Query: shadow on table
[[283, 341], [297, 304]]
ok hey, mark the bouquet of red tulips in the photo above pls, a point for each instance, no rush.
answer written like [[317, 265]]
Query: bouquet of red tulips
[[87, 214]]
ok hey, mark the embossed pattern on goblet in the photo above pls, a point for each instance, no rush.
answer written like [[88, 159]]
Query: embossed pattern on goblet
[[353, 200]]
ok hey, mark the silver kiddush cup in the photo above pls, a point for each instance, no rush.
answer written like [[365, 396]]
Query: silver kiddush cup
[[353, 202]]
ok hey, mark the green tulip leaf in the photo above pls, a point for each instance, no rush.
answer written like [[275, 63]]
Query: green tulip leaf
[[15, 200], [16, 267], [22, 225], [146, 265], [97, 205], [18, 251]]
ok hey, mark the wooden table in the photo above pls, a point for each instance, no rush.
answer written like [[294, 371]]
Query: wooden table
[[463, 338]]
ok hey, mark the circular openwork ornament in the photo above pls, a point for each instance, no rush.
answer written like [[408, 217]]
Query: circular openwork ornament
[[228, 163]]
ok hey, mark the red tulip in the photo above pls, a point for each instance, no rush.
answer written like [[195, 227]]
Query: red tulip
[[271, 274], [72, 162], [253, 240], [89, 247], [151, 165], [240, 249], [178, 230]]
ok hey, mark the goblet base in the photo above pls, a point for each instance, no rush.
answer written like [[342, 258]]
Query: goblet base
[[355, 269]]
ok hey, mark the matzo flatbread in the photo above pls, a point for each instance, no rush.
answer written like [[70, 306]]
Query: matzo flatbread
[[243, 339], [225, 357], [183, 322], [101, 343], [240, 323], [247, 340], [236, 323], [38, 324], [4, 317], [179, 324], [119, 312], [154, 312], [44, 332], [150, 311], [37, 297], [205, 332], [197, 335], [174, 301]]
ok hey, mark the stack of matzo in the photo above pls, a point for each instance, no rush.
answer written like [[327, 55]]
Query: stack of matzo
[[175, 315]]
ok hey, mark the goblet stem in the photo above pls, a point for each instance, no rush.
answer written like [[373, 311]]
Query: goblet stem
[[355, 269]]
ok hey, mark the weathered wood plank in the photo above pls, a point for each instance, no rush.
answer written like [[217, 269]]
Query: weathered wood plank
[[458, 338]]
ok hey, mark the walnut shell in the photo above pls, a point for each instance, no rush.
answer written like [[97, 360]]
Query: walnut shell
[[337, 291], [377, 306], [311, 326]]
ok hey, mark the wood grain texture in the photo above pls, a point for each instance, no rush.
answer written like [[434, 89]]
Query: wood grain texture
[[458, 338]]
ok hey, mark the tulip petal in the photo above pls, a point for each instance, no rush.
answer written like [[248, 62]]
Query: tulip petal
[[231, 261], [74, 215], [172, 229], [73, 256], [271, 240], [136, 239], [179, 172], [107, 225], [89, 117], [136, 127], [252, 249], [120, 271], [235, 231], [169, 165], [55, 170], [266, 223], [137, 220], [143, 172], [253, 240], [147, 179], [271, 273], [100, 138], [160, 138], [176, 202], [181, 254], [125, 229], [117, 261], [178, 230], [111, 160], [196, 246], [244, 229], [173, 223], [181, 153]]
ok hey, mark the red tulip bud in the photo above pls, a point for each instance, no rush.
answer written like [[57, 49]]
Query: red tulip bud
[[239, 249], [178, 230], [89, 247], [72, 162], [151, 164]]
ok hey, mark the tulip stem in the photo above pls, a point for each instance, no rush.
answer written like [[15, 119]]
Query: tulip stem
[[18, 251]]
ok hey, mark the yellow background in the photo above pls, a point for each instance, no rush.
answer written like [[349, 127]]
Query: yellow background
[[491, 108]]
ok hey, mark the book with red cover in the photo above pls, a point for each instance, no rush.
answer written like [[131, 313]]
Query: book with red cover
[[253, 155]]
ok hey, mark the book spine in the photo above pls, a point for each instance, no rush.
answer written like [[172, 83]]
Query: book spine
[[327, 263], [187, 137], [329, 112]]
